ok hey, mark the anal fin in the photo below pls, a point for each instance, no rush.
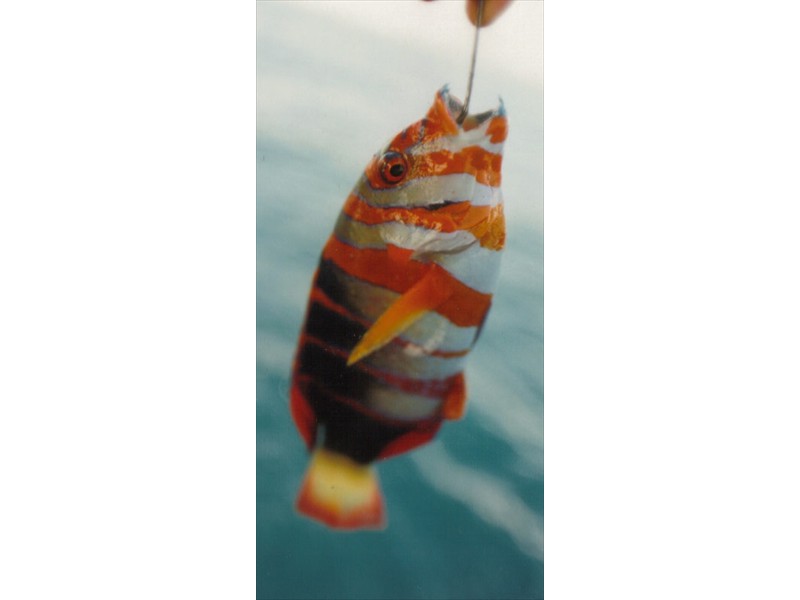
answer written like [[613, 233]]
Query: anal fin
[[456, 400], [411, 439]]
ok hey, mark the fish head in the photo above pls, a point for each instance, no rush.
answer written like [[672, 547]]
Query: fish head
[[437, 161]]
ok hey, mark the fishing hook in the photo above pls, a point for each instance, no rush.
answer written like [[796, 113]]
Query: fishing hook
[[478, 20]]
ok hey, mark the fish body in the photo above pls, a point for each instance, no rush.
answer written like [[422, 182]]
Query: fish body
[[401, 292]]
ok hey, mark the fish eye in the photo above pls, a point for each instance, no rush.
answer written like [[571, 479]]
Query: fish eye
[[393, 167]]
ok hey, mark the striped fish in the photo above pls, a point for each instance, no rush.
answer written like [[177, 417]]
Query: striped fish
[[401, 292]]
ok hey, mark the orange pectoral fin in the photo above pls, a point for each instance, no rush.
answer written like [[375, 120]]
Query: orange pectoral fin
[[429, 292]]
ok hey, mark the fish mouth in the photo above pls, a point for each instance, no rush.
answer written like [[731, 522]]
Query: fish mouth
[[455, 109]]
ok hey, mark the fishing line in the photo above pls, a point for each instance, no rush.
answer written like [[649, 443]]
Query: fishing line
[[478, 21]]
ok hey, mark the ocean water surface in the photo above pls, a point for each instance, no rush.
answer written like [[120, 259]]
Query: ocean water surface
[[465, 512]]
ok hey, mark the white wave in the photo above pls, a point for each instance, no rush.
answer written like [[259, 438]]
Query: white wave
[[486, 496], [274, 352], [515, 415]]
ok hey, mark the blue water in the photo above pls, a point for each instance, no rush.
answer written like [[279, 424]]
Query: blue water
[[465, 513]]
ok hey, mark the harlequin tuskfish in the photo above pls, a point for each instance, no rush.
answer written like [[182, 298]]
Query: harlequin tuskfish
[[398, 300]]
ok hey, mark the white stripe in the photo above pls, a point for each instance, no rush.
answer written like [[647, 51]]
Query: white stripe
[[400, 405], [425, 191], [396, 360], [475, 266], [424, 241], [458, 252], [420, 239], [432, 332]]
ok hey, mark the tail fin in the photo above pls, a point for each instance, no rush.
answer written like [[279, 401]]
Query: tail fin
[[341, 493]]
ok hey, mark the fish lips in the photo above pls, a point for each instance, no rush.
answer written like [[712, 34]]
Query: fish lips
[[471, 121]]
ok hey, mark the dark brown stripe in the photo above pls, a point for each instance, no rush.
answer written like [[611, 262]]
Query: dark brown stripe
[[334, 328], [349, 428]]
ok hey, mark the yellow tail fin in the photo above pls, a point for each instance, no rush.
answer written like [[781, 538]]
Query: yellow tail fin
[[341, 493]]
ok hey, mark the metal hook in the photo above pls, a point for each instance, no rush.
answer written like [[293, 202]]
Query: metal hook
[[478, 21]]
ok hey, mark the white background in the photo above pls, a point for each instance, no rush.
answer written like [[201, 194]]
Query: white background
[[127, 258]]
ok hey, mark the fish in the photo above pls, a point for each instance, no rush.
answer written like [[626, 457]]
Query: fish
[[398, 299]]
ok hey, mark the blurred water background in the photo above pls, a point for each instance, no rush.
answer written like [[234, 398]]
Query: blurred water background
[[335, 81]]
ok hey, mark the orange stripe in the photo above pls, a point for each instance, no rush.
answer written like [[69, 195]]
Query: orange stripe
[[465, 308], [440, 118], [483, 165], [491, 231], [486, 223], [498, 130], [437, 123]]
